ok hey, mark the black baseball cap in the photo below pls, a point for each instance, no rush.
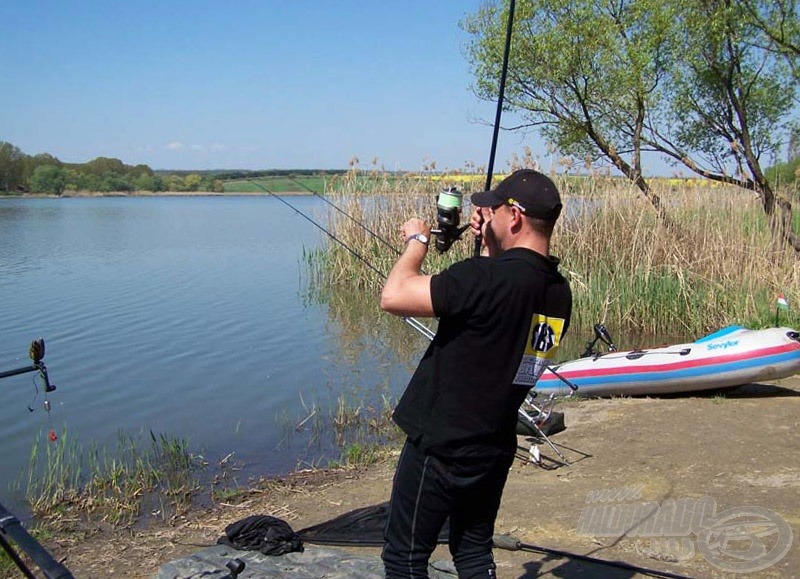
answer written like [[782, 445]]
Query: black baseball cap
[[531, 192]]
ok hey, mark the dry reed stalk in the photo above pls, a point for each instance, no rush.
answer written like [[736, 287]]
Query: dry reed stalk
[[717, 266]]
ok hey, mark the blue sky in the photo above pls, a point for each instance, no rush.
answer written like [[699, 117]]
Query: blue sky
[[249, 84], [244, 84]]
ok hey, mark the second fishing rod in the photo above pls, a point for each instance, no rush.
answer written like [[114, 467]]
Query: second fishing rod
[[448, 217]]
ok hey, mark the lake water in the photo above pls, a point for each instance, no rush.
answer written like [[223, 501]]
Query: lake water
[[185, 316]]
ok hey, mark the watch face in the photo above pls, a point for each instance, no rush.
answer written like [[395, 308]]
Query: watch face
[[421, 237]]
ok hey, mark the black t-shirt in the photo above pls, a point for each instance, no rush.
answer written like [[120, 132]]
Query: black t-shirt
[[500, 321]]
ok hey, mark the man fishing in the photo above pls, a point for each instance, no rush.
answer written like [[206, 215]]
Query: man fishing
[[501, 318]]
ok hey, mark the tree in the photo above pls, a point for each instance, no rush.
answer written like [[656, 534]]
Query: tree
[[192, 182], [31, 162], [793, 150], [142, 169], [49, 179], [699, 82], [104, 165], [731, 102], [779, 24], [11, 167], [145, 182], [174, 183]]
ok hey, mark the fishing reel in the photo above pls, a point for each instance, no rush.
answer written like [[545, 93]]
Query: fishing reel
[[448, 218], [36, 351]]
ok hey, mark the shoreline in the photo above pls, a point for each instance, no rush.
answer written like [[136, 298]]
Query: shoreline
[[713, 449], [95, 194]]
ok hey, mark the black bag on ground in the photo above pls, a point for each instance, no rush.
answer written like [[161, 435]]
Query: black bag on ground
[[362, 526], [263, 533], [274, 536]]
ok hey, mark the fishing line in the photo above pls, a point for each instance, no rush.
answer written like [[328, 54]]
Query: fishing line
[[414, 323], [35, 394], [321, 228], [350, 217], [490, 168]]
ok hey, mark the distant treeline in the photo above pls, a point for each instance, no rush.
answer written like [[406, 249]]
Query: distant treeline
[[44, 173], [232, 175]]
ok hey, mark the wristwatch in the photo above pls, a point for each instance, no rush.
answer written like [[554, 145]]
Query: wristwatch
[[421, 237]]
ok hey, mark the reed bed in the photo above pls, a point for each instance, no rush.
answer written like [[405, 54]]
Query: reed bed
[[715, 264], [369, 224], [65, 482]]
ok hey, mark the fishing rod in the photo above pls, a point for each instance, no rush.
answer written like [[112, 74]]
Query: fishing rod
[[511, 543], [413, 322], [10, 527], [352, 251], [490, 168], [448, 213]]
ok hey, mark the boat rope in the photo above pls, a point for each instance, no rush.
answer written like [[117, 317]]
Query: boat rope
[[413, 322], [633, 354], [498, 113]]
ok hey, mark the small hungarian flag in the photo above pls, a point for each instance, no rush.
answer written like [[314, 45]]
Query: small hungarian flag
[[782, 303]]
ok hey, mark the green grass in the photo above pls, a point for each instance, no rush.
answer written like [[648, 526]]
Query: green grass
[[358, 455], [323, 184], [277, 185]]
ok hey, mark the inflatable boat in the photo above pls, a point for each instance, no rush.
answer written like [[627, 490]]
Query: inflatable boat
[[731, 356]]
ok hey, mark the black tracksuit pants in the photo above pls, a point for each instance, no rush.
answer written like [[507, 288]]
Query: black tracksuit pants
[[426, 491]]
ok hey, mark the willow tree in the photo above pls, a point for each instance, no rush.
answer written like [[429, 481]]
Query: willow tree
[[701, 82], [778, 22]]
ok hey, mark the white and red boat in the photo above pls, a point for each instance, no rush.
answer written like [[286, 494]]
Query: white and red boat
[[731, 356]]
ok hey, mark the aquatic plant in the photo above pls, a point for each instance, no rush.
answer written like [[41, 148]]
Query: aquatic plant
[[111, 485]]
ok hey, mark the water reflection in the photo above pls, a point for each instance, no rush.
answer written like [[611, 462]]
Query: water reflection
[[381, 353]]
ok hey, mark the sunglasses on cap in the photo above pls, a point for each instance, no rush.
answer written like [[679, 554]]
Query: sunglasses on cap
[[513, 203]]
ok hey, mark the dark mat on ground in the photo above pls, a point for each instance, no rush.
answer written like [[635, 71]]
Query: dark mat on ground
[[312, 563]]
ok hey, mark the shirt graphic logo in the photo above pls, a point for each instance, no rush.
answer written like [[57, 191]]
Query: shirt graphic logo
[[543, 337], [540, 349]]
